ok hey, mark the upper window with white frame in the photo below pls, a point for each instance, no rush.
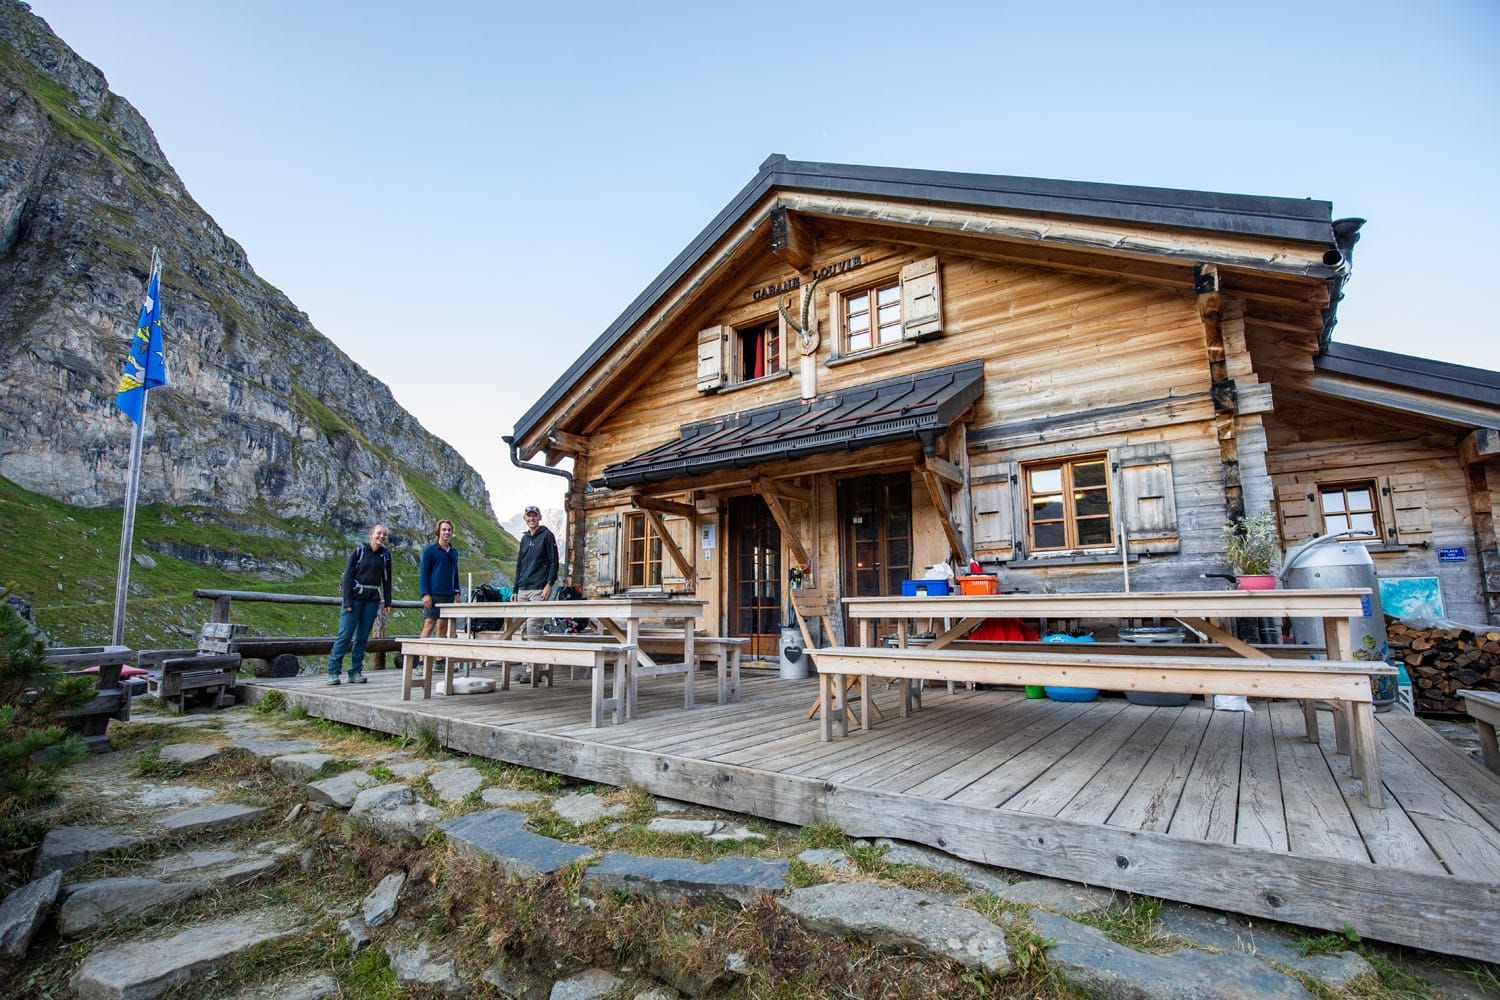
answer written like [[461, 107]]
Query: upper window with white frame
[[871, 317], [1068, 504], [1350, 508]]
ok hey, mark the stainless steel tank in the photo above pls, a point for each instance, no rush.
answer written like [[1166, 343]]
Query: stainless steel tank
[[1329, 564], [794, 659]]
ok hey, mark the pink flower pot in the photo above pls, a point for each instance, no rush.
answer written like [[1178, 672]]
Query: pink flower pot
[[1256, 582]]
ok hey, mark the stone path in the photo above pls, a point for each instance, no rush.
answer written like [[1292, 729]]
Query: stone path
[[500, 836], [139, 970]]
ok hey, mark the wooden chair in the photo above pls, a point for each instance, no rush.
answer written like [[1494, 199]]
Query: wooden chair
[[813, 604]]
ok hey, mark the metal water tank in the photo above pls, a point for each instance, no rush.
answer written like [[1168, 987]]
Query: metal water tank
[[1328, 563], [794, 658]]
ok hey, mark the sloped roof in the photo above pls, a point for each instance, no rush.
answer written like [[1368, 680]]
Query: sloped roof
[[1301, 219], [1410, 372], [907, 408]]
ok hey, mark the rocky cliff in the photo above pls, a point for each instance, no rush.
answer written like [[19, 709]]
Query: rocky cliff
[[262, 412]]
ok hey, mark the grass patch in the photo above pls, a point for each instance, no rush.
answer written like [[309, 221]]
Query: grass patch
[[148, 764], [800, 874], [427, 741], [272, 701], [1137, 925], [822, 835], [1327, 943]]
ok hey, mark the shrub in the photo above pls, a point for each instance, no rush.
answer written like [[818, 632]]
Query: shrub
[[1251, 544], [34, 745]]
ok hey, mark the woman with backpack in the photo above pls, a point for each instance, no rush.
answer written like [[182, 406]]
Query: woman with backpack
[[366, 591]]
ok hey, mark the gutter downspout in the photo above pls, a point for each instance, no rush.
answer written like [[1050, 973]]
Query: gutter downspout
[[1341, 259], [575, 545]]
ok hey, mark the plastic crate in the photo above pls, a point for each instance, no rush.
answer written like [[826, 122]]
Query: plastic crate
[[981, 584], [924, 588]]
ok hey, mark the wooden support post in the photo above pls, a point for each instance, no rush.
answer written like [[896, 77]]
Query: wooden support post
[[945, 513], [220, 612], [779, 515], [1484, 505], [573, 444], [660, 506], [1222, 387]]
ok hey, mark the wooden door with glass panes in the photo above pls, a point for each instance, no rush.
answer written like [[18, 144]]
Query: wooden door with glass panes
[[874, 536], [754, 575]]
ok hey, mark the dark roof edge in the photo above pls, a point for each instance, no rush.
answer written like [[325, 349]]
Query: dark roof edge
[[1411, 372], [1304, 220]]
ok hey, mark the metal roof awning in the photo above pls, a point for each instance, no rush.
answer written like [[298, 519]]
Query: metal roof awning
[[915, 407]]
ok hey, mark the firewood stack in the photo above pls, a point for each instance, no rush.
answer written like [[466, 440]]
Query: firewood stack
[[1442, 661]]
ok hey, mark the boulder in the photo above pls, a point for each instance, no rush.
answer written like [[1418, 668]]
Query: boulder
[[456, 783], [499, 835], [23, 912], [339, 791], [392, 813], [142, 969], [295, 768], [355, 930], [903, 919], [380, 904], [677, 880], [201, 819]]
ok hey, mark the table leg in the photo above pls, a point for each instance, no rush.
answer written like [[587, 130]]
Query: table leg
[[406, 664], [633, 637], [1363, 719], [734, 675], [448, 676], [596, 693], [825, 704], [865, 697], [1489, 747], [903, 686], [427, 668], [841, 705], [1337, 641], [1310, 719], [1342, 712], [721, 662], [689, 660], [622, 667]]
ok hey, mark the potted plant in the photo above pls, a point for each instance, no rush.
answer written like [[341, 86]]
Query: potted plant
[[1252, 547]]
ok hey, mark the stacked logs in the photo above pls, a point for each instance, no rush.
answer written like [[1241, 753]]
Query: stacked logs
[[1442, 661]]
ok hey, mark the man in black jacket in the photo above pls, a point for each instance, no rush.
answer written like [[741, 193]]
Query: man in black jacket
[[536, 566], [366, 592]]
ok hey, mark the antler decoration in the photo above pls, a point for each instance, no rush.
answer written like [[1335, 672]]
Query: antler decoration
[[807, 340]]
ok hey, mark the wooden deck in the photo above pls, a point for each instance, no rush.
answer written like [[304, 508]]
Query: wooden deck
[[1219, 809]]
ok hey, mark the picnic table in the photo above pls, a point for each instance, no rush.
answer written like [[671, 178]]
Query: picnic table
[[620, 617], [1340, 677]]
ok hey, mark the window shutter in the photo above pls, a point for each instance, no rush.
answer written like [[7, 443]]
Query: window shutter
[[713, 349], [993, 489], [1408, 494], [1148, 499], [605, 546], [680, 529], [921, 300], [1296, 505]]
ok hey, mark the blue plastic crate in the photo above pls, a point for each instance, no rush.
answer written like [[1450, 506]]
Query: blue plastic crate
[[925, 588]]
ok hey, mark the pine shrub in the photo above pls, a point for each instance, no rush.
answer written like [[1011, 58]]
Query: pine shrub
[[34, 744]]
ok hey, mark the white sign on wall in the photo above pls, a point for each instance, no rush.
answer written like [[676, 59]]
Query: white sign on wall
[[708, 536]]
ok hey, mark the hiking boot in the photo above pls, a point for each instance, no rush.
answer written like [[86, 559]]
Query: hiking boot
[[357, 679], [334, 681]]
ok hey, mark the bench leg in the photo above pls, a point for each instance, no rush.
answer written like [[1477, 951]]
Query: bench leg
[[734, 685], [689, 660], [840, 709], [448, 676], [1362, 720], [825, 704], [406, 662], [1342, 711], [722, 663], [504, 675], [428, 666], [596, 693], [1310, 719], [903, 692], [630, 685], [1489, 747], [622, 668]]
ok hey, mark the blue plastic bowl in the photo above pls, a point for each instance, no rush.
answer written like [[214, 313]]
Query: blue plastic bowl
[[1072, 694]]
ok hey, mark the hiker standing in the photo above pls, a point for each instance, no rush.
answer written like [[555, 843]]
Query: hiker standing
[[439, 581], [536, 566], [366, 592]]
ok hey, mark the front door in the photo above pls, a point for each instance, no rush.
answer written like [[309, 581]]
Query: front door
[[754, 575], [874, 536]]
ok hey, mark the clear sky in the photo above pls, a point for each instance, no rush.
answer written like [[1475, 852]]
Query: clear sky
[[464, 195]]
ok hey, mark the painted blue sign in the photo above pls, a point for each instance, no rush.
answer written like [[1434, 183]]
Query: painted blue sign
[[1453, 555]]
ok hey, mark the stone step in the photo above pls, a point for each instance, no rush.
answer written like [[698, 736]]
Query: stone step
[[676, 880], [66, 847], [500, 835], [203, 819], [141, 970]]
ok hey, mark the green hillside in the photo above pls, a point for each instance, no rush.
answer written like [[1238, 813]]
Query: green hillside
[[62, 559]]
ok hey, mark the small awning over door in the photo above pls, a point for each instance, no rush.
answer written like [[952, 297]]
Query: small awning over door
[[907, 408]]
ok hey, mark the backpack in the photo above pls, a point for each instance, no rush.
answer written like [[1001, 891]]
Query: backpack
[[569, 593], [485, 594]]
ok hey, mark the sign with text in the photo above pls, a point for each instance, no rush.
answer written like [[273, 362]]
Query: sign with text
[[1459, 554]]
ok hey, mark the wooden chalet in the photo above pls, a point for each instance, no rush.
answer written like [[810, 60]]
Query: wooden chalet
[[862, 372], [857, 372]]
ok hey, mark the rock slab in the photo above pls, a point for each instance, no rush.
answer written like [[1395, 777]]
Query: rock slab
[[204, 818], [23, 912], [455, 784], [590, 984], [164, 796], [830, 856], [977, 877], [416, 967], [584, 808], [699, 827], [380, 905], [187, 754], [676, 880], [66, 847], [1227, 932], [901, 918], [509, 797], [1089, 961], [140, 970], [500, 835], [1058, 895], [393, 813], [263, 747], [94, 904], [299, 767], [339, 791]]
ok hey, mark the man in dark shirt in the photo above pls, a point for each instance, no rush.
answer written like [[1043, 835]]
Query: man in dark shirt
[[536, 566]]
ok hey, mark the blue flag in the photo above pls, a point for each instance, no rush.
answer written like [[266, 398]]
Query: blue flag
[[146, 367]]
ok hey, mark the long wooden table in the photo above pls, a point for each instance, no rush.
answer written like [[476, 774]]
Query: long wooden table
[[620, 617], [1334, 608]]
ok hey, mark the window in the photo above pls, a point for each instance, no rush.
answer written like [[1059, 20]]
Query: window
[[642, 552], [757, 350], [1068, 504], [1349, 508], [872, 317]]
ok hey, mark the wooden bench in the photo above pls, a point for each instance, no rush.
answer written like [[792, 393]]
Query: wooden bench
[[91, 721], [723, 652], [1484, 706], [1344, 682], [173, 675], [596, 657]]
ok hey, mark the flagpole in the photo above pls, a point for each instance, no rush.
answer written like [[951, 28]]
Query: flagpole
[[127, 529], [132, 494]]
